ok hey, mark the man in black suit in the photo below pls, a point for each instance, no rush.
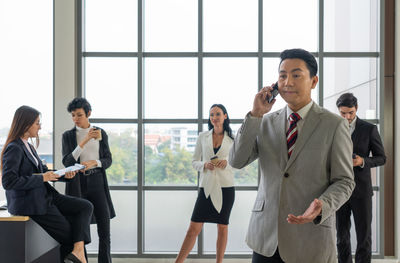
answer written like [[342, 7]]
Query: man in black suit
[[366, 140]]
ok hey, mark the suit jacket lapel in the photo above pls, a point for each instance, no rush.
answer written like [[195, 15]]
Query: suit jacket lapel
[[210, 148], [357, 130], [310, 123], [37, 157], [28, 154], [279, 124]]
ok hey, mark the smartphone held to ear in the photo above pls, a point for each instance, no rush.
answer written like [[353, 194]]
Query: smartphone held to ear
[[274, 93]]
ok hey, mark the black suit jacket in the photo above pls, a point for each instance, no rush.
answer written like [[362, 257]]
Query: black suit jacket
[[73, 186], [366, 140], [26, 192]]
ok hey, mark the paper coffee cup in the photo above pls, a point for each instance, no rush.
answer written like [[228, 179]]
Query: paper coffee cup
[[98, 130]]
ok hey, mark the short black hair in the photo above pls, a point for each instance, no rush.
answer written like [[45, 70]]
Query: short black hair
[[78, 103], [347, 100], [302, 54]]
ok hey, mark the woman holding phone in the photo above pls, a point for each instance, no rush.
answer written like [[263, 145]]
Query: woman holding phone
[[25, 179], [216, 194], [88, 145]]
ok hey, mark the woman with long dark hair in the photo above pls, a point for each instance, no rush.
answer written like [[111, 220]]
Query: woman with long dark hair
[[216, 194], [25, 179]]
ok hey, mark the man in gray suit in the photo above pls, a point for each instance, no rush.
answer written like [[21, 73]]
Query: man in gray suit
[[304, 154]]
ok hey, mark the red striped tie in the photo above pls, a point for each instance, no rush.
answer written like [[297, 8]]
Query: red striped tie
[[291, 134]]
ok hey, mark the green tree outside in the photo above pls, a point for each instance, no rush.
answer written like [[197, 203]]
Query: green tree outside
[[165, 166]]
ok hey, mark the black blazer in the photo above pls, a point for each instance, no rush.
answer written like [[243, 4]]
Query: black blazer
[[26, 192], [73, 186], [366, 140]]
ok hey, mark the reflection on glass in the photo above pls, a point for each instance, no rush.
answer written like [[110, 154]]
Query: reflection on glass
[[238, 224], [231, 82], [123, 226], [167, 218], [170, 88], [355, 75], [110, 27], [122, 139], [351, 26], [111, 87], [230, 25], [170, 25], [168, 154], [290, 24]]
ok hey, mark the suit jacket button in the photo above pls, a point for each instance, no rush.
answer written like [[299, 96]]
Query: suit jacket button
[[286, 175]]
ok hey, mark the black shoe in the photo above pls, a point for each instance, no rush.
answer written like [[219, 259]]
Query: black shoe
[[71, 258]]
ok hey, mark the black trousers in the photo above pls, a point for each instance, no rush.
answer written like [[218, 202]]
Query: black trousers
[[67, 220], [362, 213], [276, 258], [95, 193]]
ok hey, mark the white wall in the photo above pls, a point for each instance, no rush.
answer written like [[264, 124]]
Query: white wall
[[64, 71]]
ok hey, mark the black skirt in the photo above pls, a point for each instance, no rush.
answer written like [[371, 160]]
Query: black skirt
[[204, 210]]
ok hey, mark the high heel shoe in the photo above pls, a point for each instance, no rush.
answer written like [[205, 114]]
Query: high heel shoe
[[71, 258]]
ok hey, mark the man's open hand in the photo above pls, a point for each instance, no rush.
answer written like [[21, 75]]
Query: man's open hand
[[309, 215]]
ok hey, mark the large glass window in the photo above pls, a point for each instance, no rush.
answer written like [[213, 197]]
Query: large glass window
[[26, 67], [168, 152], [153, 68], [351, 26]]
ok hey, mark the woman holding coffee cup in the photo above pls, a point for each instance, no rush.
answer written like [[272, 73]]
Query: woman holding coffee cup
[[88, 145], [216, 194]]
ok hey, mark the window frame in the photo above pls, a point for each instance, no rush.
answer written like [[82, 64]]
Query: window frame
[[141, 188]]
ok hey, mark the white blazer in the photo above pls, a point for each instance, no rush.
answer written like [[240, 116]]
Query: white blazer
[[213, 180]]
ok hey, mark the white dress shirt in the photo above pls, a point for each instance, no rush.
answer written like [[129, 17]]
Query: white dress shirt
[[352, 125], [303, 114], [26, 143]]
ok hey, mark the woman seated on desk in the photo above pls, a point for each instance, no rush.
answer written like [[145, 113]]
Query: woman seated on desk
[[25, 179]]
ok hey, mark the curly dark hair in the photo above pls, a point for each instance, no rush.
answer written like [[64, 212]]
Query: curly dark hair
[[79, 103]]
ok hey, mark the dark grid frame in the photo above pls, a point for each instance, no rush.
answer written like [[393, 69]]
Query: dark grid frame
[[260, 54]]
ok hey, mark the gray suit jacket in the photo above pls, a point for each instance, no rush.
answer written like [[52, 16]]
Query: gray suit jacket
[[320, 167]]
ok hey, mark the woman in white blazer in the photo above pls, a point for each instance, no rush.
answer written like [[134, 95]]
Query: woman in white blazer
[[216, 194]]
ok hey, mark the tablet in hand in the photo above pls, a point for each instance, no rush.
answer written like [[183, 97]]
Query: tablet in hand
[[72, 168]]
